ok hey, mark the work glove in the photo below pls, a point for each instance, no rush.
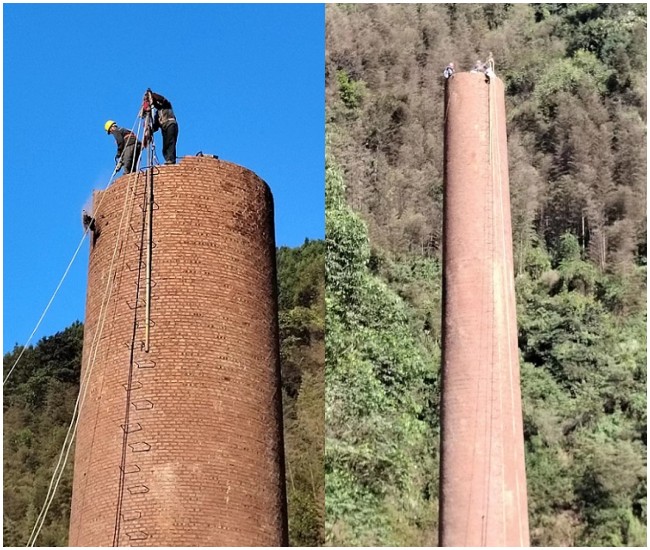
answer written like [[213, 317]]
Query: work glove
[[118, 166]]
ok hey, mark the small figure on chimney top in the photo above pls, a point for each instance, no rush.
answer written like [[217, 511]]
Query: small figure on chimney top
[[449, 71], [489, 66], [128, 147], [164, 119], [478, 67]]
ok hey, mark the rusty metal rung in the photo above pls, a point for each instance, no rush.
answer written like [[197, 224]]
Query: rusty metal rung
[[132, 516], [145, 364], [140, 322], [131, 428], [137, 535], [140, 446], [142, 405], [137, 229], [132, 469], [138, 489]]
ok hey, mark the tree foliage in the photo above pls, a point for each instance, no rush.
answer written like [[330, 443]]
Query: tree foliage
[[301, 281], [575, 76], [40, 395], [39, 399], [380, 453]]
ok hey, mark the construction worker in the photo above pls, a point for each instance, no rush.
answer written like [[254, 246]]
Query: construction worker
[[128, 147], [449, 71], [478, 67], [489, 66], [87, 220], [165, 119]]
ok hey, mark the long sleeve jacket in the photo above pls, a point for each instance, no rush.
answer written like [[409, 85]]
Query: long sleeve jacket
[[123, 137], [164, 112]]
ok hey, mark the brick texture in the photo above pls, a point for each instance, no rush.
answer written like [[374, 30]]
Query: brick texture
[[483, 481], [182, 445]]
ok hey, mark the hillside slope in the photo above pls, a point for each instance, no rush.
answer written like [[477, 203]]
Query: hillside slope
[[575, 76]]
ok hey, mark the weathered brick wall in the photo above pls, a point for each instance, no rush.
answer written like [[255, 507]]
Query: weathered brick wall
[[182, 446], [483, 480]]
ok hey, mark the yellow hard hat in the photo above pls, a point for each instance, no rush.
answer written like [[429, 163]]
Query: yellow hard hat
[[108, 125]]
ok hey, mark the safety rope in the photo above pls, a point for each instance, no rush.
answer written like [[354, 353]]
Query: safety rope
[[499, 190], [496, 179], [483, 324], [79, 403], [120, 497], [131, 193], [65, 451], [490, 208], [65, 273], [83, 387], [507, 285]]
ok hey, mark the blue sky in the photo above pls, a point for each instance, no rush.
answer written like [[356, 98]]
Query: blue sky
[[246, 82]]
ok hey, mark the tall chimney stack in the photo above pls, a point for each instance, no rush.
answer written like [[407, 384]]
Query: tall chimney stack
[[483, 498]]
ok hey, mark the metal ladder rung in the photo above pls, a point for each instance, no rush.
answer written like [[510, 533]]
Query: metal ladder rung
[[131, 428], [137, 535], [137, 385], [131, 516], [134, 469], [140, 447], [142, 405], [138, 489]]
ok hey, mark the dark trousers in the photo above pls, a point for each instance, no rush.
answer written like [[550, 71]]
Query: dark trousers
[[131, 158], [170, 135]]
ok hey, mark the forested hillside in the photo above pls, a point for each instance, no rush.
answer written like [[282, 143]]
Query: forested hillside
[[39, 399], [381, 394], [38, 402], [575, 77], [301, 280]]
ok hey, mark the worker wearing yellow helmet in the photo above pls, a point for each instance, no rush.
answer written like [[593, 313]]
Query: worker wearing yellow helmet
[[109, 124], [128, 147]]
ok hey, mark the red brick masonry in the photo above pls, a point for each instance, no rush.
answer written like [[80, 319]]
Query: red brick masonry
[[182, 446], [483, 480]]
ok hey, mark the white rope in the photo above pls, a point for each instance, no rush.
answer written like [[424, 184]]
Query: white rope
[[74, 256], [65, 274], [83, 387], [72, 429], [508, 297]]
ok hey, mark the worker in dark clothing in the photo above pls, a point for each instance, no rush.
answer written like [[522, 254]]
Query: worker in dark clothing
[[165, 119], [88, 221], [128, 147]]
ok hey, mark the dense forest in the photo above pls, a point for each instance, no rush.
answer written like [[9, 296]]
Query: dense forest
[[301, 281], [39, 399], [366, 302], [575, 78]]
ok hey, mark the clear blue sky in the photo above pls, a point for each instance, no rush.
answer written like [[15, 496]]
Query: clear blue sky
[[246, 82]]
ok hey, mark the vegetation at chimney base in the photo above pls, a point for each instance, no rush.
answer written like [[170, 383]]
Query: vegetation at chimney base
[[301, 278], [40, 395], [380, 454], [38, 402], [575, 76]]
